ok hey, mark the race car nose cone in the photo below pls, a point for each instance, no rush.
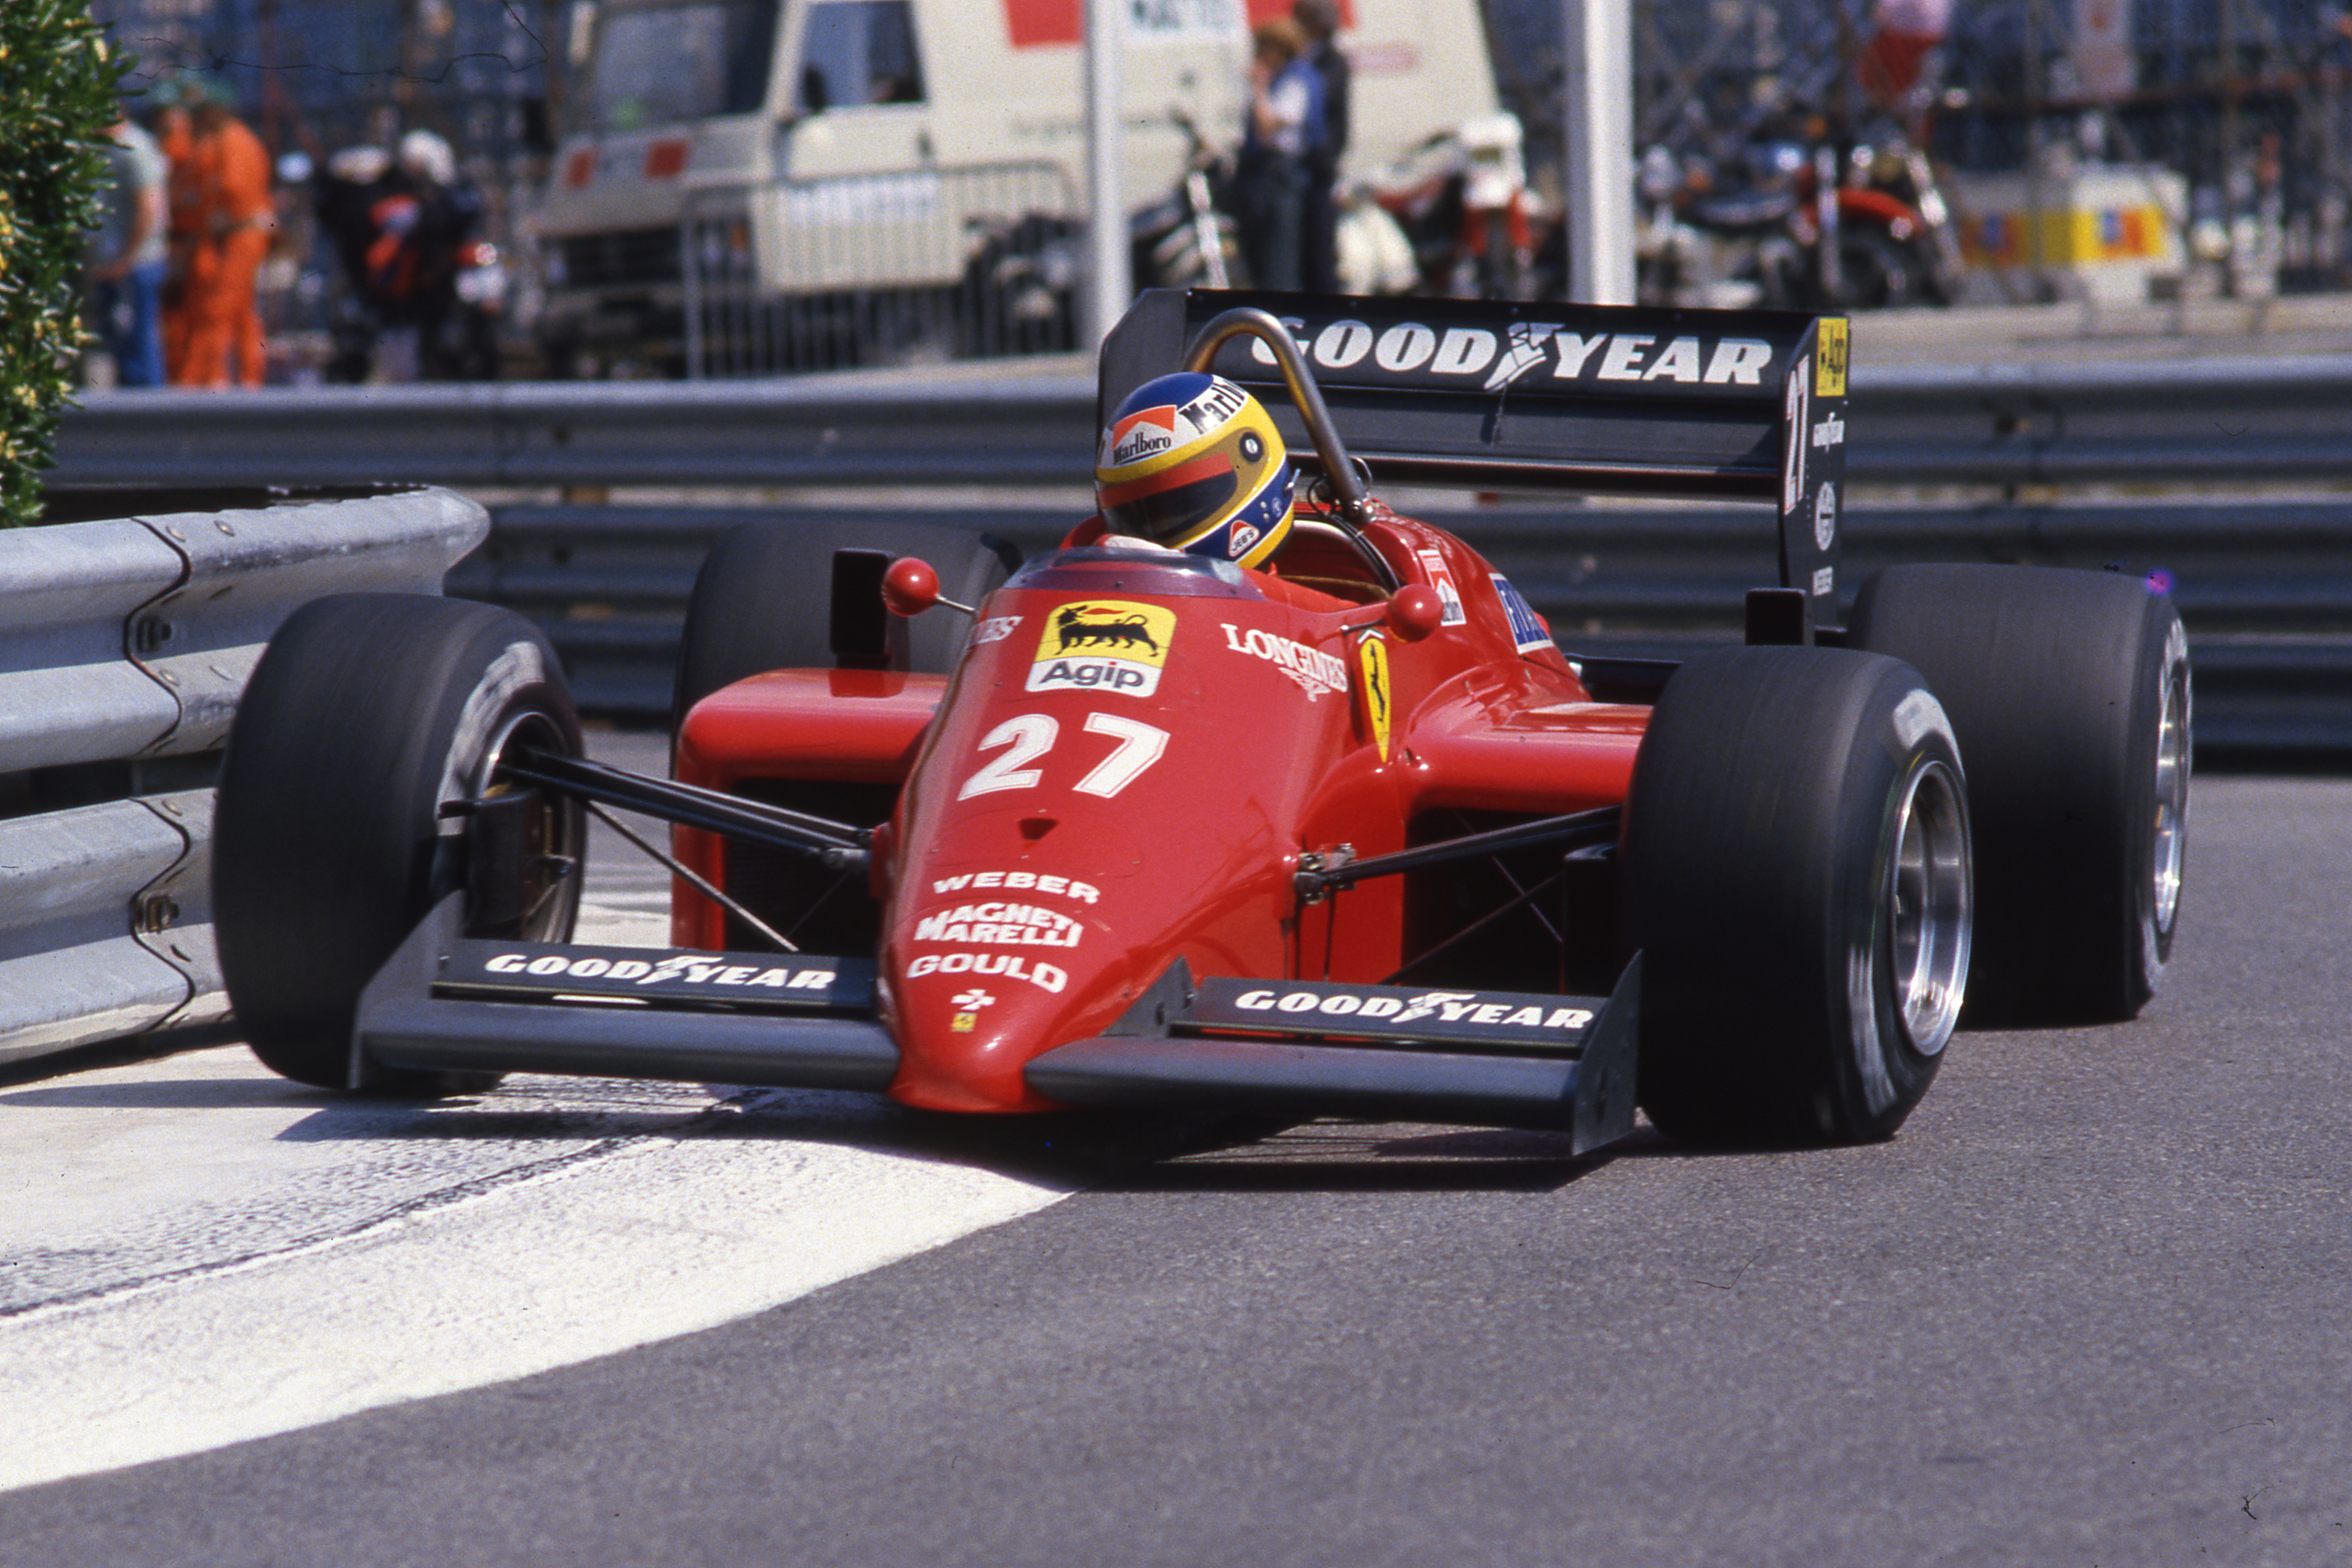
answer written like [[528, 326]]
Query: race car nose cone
[[983, 1077], [964, 1049]]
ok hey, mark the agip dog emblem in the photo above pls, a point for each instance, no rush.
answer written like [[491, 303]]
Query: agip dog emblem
[[1104, 645]]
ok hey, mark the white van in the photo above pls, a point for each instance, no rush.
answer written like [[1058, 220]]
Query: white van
[[759, 185]]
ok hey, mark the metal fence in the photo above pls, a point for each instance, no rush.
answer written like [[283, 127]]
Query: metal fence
[[917, 267]]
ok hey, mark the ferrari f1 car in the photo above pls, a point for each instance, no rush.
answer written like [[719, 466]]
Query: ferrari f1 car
[[1344, 832]]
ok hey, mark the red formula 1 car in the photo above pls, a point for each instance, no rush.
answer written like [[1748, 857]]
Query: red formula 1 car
[[1348, 834]]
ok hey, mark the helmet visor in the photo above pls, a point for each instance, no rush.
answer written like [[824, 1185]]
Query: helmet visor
[[1166, 506]]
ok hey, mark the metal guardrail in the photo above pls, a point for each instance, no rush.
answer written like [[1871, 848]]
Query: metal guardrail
[[125, 641], [2266, 591], [829, 430], [2262, 583], [2214, 422]]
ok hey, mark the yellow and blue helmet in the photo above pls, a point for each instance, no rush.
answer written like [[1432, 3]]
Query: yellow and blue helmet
[[1193, 462]]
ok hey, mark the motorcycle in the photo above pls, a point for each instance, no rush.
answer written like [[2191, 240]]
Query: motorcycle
[[1799, 229], [1461, 201], [1020, 293], [1187, 239], [412, 265]]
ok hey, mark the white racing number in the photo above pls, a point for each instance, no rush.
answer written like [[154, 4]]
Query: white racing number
[[1139, 746], [1027, 737]]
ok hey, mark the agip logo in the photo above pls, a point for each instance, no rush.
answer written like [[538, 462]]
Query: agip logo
[[1103, 644]]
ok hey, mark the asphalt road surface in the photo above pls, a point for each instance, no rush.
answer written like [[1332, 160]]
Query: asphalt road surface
[[2090, 1307]]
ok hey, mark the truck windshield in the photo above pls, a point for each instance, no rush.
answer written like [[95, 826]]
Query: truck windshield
[[857, 52], [664, 63]]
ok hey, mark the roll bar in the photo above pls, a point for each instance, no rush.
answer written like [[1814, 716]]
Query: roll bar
[[1348, 496]]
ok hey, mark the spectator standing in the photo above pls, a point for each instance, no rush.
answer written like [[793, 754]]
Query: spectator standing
[[177, 139], [1897, 59], [401, 226], [1319, 249], [449, 210], [127, 257], [1285, 124], [222, 215]]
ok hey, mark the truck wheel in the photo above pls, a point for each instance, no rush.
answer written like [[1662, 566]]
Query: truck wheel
[[763, 601], [2070, 693], [1796, 866], [366, 714]]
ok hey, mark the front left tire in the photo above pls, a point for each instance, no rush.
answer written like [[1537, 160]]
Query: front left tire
[[1797, 871]]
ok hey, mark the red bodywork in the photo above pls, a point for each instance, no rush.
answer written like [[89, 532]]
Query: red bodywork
[[1128, 765]]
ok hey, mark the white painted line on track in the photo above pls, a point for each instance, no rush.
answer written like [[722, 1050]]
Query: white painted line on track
[[195, 1252], [574, 1221]]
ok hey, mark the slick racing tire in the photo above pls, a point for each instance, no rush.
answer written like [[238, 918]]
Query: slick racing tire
[[1796, 868], [762, 601], [367, 713], [2069, 694]]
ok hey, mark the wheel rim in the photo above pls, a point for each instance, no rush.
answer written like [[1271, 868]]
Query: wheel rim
[[1928, 909], [550, 892], [2171, 839]]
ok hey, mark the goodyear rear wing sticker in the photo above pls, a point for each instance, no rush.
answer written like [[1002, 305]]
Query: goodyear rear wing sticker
[[1613, 400]]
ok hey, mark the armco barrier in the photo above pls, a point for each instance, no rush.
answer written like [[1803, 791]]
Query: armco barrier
[[128, 629], [2266, 590], [2221, 421], [2265, 574], [853, 429]]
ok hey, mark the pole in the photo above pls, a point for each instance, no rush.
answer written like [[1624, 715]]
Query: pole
[[1598, 45], [1108, 286]]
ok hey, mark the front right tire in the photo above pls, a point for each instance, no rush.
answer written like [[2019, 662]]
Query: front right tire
[[762, 601]]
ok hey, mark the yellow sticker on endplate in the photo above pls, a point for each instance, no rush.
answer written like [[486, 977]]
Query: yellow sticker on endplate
[[1829, 360]]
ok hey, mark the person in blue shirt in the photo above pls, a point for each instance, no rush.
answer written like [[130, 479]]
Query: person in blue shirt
[[1319, 263], [126, 255], [1284, 130]]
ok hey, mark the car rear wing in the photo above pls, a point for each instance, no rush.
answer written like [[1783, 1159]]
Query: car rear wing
[[1501, 394]]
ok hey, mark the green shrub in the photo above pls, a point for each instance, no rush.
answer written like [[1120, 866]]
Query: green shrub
[[57, 96]]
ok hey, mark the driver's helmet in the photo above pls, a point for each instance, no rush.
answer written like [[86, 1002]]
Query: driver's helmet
[[1192, 461]]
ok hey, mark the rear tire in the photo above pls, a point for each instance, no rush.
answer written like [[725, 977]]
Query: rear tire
[[762, 601], [2069, 694], [764, 597], [1796, 866], [367, 713]]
